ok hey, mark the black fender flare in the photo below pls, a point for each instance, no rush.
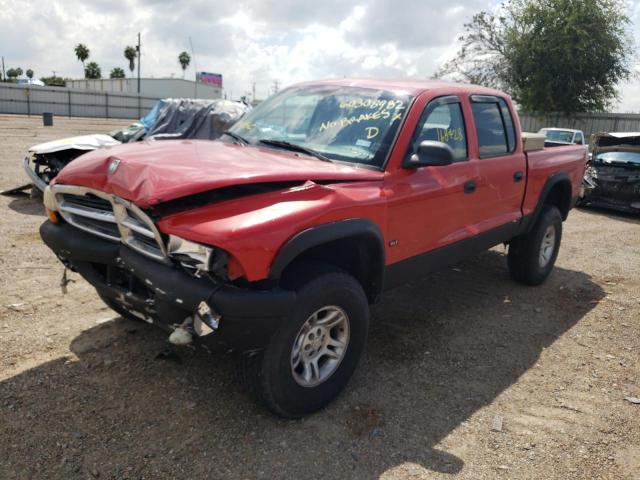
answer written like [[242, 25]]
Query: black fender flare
[[321, 234], [552, 181]]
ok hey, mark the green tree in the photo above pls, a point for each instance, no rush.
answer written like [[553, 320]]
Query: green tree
[[11, 74], [82, 53], [92, 70], [54, 81], [116, 72], [550, 55], [130, 53], [29, 73], [19, 72], [184, 59]]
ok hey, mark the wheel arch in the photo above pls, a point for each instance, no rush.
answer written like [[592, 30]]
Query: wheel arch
[[557, 191], [356, 245]]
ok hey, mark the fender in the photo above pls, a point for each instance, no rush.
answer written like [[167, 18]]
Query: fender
[[321, 234], [557, 178]]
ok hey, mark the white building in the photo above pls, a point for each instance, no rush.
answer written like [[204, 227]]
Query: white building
[[150, 87]]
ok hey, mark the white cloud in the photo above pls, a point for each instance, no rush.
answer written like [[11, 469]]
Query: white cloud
[[247, 40]]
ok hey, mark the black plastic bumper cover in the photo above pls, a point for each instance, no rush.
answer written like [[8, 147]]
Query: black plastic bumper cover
[[249, 317]]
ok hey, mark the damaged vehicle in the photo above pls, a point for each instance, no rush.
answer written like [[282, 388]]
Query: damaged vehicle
[[170, 118], [274, 240], [612, 178]]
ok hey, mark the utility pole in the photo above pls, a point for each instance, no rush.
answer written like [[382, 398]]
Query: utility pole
[[253, 94], [276, 86], [195, 67], [139, 58], [4, 75]]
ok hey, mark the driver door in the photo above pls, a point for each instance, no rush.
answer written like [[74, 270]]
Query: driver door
[[430, 207]]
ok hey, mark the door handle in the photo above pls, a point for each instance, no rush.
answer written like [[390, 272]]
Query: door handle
[[518, 176], [470, 186]]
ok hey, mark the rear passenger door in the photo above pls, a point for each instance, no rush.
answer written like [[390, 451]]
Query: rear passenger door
[[501, 164]]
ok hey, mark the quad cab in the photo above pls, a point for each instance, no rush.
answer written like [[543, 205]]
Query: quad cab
[[276, 239]]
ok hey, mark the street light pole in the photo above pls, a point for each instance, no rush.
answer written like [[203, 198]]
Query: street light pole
[[139, 58]]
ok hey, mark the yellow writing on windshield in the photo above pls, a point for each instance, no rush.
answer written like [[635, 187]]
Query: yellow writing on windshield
[[363, 117], [372, 103], [449, 134], [372, 132]]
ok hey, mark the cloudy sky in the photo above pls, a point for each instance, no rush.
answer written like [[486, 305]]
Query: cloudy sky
[[249, 40]]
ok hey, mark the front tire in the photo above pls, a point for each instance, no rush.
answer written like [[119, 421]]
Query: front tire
[[308, 362], [533, 255]]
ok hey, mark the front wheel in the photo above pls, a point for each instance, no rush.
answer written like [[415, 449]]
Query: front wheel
[[311, 358], [533, 255]]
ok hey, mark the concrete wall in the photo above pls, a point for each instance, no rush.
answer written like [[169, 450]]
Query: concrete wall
[[69, 102], [150, 87]]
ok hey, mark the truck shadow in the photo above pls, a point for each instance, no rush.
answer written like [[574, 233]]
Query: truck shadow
[[611, 213], [27, 206], [439, 350]]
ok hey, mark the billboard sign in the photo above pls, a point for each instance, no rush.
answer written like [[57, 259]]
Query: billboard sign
[[208, 78]]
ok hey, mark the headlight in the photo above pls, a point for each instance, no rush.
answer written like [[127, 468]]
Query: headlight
[[49, 200], [190, 254]]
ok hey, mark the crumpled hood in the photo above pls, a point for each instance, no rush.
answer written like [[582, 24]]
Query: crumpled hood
[[149, 172], [82, 142]]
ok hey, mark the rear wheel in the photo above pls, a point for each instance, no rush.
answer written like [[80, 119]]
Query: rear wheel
[[311, 358], [533, 255]]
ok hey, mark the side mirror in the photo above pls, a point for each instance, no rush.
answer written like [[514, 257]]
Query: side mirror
[[430, 153]]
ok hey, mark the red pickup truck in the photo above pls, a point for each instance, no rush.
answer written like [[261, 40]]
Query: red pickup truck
[[275, 239]]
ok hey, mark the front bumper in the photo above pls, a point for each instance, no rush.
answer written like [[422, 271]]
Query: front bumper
[[164, 294]]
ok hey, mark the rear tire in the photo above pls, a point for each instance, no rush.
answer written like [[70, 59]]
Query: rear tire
[[533, 255], [278, 376]]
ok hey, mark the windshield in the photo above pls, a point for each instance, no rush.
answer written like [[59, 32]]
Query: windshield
[[343, 123], [559, 135], [619, 157]]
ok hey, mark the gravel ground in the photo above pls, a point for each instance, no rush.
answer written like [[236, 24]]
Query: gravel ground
[[467, 374]]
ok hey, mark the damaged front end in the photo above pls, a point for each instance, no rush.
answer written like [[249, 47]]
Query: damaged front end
[[176, 284], [42, 168], [44, 161], [612, 177]]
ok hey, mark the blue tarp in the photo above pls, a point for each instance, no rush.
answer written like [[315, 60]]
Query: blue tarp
[[150, 118]]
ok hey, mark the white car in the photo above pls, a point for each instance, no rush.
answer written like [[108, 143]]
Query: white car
[[564, 136]]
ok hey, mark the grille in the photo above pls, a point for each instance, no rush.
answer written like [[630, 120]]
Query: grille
[[109, 217], [87, 201]]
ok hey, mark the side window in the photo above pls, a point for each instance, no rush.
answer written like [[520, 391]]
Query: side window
[[578, 139], [508, 125], [443, 122], [492, 137]]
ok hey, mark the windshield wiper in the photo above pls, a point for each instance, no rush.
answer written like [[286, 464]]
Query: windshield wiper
[[237, 137], [294, 147]]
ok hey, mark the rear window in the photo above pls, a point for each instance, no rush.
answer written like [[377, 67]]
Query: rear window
[[494, 125], [492, 138]]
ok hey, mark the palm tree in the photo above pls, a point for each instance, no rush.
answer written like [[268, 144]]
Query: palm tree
[[82, 52], [29, 73], [116, 72], [19, 72], [92, 70], [130, 53], [185, 59]]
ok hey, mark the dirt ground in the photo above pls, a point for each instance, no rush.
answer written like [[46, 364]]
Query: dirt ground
[[451, 359]]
